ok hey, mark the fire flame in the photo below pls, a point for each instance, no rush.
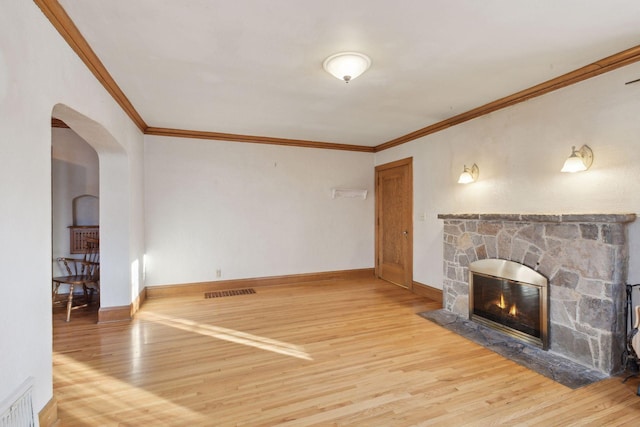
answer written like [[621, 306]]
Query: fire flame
[[513, 311]]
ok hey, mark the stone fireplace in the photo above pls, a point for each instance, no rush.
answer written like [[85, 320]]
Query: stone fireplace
[[584, 258]]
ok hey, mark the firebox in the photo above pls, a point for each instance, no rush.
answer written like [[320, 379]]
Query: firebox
[[511, 298]]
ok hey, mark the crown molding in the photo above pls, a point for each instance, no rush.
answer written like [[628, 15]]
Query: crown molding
[[255, 139], [602, 66], [68, 30]]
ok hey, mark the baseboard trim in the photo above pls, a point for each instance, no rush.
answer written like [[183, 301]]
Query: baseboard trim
[[114, 314], [164, 291], [48, 416], [138, 302], [123, 313], [427, 291]]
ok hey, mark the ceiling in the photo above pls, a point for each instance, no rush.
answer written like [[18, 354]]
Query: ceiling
[[254, 67]]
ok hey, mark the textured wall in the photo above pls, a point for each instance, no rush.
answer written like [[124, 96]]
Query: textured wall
[[253, 210], [520, 151]]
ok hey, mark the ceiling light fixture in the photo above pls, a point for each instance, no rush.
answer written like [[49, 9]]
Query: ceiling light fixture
[[347, 66], [579, 160], [469, 175]]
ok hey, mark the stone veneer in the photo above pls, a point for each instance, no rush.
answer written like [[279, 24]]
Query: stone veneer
[[585, 258]]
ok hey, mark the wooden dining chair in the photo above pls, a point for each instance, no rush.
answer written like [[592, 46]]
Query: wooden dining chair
[[83, 272]]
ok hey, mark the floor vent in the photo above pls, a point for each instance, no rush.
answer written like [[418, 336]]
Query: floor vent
[[229, 293]]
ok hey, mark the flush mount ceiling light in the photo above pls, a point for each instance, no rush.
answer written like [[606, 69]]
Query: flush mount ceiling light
[[347, 66], [579, 160], [469, 175]]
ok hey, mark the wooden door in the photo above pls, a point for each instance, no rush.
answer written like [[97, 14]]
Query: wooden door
[[394, 225]]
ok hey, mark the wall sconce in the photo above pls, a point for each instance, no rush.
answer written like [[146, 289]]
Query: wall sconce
[[347, 65], [579, 160], [469, 175]]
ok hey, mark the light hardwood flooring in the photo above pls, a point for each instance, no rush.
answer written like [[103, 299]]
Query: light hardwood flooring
[[332, 353]]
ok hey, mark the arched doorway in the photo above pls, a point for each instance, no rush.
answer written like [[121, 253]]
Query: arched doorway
[[74, 203], [114, 188]]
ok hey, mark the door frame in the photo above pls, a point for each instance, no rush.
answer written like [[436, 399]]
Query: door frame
[[408, 163]]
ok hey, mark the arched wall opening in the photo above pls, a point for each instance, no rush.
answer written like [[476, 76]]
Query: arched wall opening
[[74, 205], [114, 190]]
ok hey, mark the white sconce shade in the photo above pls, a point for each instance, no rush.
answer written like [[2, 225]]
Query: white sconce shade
[[469, 175], [579, 160], [347, 66]]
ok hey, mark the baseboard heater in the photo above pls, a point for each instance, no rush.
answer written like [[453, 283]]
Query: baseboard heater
[[17, 409]]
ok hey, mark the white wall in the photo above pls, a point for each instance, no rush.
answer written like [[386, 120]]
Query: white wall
[[520, 151], [252, 210], [38, 70]]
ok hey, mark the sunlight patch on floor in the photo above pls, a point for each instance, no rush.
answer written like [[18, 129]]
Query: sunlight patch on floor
[[230, 335], [86, 394]]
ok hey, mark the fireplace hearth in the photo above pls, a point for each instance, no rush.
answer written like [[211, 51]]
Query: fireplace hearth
[[511, 298], [583, 256], [547, 363]]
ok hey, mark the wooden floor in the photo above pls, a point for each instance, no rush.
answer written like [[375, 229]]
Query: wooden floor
[[336, 353]]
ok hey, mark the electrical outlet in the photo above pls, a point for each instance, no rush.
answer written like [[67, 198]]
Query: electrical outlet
[[218, 273], [422, 216]]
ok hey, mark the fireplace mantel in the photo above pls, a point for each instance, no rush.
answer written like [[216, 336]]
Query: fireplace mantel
[[584, 256], [551, 218]]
